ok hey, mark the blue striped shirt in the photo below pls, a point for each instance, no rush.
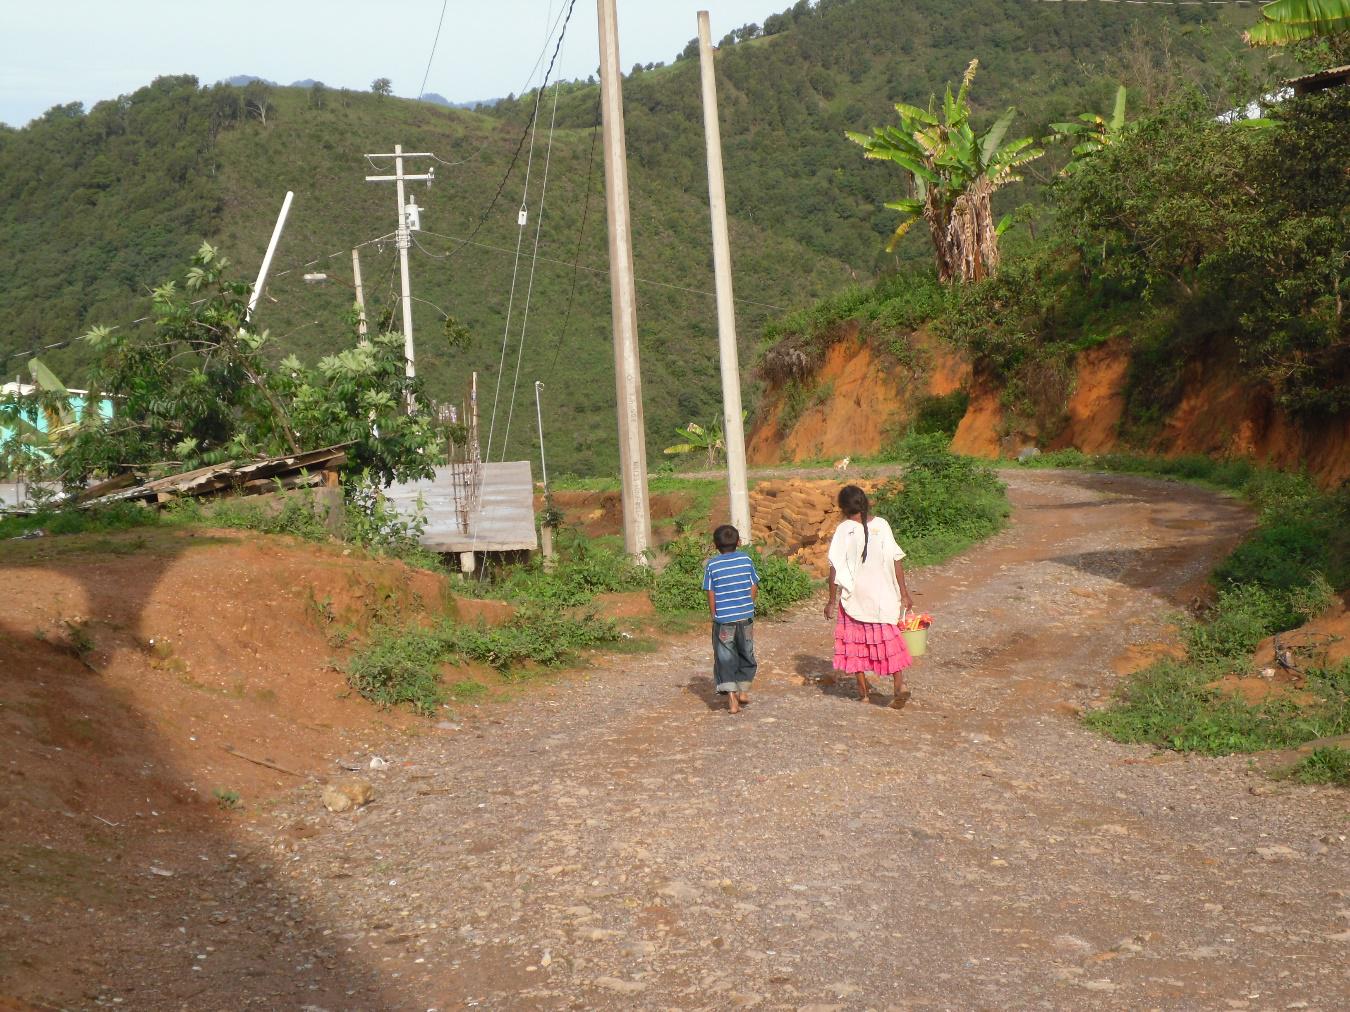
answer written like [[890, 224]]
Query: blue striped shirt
[[730, 577]]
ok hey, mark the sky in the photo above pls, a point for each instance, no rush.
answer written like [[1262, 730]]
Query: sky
[[90, 50]]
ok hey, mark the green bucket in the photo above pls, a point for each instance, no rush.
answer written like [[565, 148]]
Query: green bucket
[[916, 641]]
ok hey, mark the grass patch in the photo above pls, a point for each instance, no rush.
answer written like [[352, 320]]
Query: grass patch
[[1285, 573], [402, 665], [1323, 766], [1169, 705], [116, 517]]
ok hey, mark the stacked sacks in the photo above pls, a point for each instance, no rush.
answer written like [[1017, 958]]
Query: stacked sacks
[[797, 518]]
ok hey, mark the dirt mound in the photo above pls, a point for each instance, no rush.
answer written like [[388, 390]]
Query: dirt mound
[[1322, 643], [797, 517], [140, 673]]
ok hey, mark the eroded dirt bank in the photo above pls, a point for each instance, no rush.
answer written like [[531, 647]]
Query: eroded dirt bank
[[856, 401], [621, 843]]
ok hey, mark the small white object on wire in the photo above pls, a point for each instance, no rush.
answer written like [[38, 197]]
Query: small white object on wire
[[522, 216]]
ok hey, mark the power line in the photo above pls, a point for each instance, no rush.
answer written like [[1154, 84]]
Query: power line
[[528, 131], [581, 235], [593, 270], [534, 264], [432, 55]]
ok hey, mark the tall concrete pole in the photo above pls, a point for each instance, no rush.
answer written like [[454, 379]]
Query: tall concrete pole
[[360, 293], [403, 240], [637, 525], [733, 431]]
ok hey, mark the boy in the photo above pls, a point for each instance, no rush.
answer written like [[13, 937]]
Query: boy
[[732, 585]]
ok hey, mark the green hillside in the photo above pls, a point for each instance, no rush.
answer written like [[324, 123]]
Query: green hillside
[[97, 206]]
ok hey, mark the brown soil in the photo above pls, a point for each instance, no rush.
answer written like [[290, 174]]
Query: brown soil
[[1219, 414], [616, 840], [868, 397], [130, 666]]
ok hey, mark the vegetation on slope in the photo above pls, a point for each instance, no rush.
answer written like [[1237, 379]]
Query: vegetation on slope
[[128, 189]]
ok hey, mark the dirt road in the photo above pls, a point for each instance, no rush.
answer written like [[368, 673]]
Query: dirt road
[[621, 842]]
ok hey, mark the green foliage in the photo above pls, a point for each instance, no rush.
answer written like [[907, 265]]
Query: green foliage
[[679, 586], [403, 665], [580, 570], [1242, 230], [1091, 132], [1324, 766], [940, 415], [1288, 22], [943, 504], [1170, 705], [1245, 614], [130, 187], [371, 522], [55, 520], [198, 389]]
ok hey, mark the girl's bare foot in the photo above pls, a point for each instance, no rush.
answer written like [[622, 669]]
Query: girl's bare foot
[[901, 698]]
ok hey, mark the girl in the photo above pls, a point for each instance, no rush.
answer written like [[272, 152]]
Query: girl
[[867, 590]]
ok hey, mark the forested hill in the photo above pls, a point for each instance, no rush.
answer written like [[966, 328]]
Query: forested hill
[[98, 206]]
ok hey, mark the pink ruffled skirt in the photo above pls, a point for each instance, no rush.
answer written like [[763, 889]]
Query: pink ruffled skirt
[[868, 646]]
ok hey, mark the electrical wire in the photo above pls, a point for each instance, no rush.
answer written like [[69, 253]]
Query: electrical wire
[[581, 236], [440, 22], [528, 131], [534, 264], [600, 270]]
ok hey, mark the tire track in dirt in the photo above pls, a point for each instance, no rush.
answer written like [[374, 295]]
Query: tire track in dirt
[[616, 842]]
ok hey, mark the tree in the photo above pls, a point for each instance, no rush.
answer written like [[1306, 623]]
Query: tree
[[382, 86], [1091, 132], [197, 388], [707, 439], [953, 173], [1289, 21]]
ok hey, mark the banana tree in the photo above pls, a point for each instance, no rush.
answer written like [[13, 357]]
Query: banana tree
[[1288, 21], [1091, 132], [697, 437], [953, 174]]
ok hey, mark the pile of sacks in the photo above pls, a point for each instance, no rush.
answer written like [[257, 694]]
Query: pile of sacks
[[796, 517]]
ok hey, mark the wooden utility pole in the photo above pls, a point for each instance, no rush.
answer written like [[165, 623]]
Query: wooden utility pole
[[408, 222], [733, 432], [637, 524], [360, 293]]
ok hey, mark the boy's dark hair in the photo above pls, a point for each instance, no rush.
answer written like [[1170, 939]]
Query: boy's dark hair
[[726, 538], [852, 502]]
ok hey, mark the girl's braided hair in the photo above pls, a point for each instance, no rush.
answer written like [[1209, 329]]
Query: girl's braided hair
[[853, 501]]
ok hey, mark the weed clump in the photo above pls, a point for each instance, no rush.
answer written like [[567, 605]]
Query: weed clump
[[402, 664]]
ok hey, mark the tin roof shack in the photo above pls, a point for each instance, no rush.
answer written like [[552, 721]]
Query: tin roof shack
[[1335, 77]]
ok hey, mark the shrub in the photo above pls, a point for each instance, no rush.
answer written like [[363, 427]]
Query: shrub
[[679, 587], [943, 504], [940, 414]]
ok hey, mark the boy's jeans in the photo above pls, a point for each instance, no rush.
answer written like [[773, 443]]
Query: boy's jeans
[[734, 663]]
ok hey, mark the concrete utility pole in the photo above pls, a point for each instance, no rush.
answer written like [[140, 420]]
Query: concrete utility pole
[[637, 524], [360, 293], [267, 257], [409, 221], [733, 431]]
